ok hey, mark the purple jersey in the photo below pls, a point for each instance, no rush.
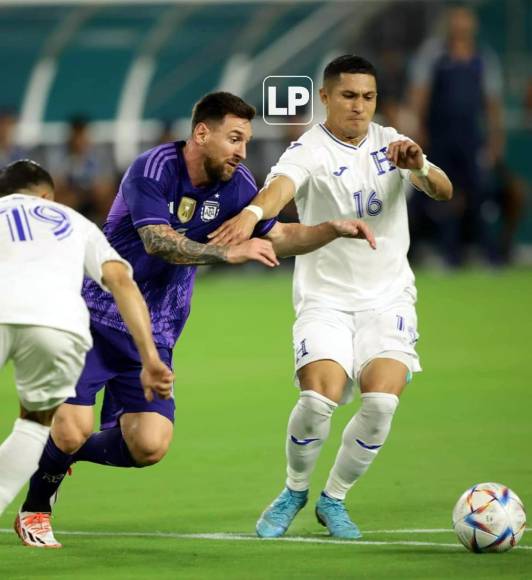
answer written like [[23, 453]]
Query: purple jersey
[[156, 189]]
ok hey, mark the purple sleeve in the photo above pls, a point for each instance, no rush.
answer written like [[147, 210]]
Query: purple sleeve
[[263, 227], [146, 201]]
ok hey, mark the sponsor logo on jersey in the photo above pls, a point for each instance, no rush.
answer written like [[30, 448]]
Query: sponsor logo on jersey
[[294, 145], [382, 163], [209, 210], [186, 209], [340, 170]]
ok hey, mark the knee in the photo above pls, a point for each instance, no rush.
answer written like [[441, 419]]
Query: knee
[[317, 408], [379, 404], [376, 414], [311, 417], [69, 436], [70, 442], [148, 450], [325, 377]]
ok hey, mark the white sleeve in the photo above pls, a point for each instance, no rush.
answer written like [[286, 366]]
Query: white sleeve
[[297, 163], [98, 251]]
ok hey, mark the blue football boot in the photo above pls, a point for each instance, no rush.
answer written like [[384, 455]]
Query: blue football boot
[[275, 520], [332, 514]]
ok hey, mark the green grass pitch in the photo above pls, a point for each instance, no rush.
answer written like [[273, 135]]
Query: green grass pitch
[[465, 419]]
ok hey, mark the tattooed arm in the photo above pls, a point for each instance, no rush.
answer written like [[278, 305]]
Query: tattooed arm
[[163, 241]]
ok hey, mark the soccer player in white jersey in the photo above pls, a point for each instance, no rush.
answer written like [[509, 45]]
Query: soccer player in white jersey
[[356, 319], [45, 249]]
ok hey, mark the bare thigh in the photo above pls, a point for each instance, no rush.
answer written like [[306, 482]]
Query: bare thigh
[[383, 375], [326, 377]]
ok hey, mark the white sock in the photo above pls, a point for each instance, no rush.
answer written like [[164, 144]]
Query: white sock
[[308, 428], [364, 435], [19, 458]]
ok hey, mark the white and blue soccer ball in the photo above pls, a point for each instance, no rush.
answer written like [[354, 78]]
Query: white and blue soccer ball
[[489, 517]]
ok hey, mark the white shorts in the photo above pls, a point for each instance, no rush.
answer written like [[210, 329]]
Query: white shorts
[[48, 363], [353, 339]]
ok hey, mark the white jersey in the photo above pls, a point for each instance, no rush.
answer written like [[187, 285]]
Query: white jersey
[[335, 180], [45, 248]]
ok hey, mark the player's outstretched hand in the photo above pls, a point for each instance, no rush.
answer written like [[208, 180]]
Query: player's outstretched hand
[[234, 231], [254, 249], [156, 378], [405, 154], [354, 229]]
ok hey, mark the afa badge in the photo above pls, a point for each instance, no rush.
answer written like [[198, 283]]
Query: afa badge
[[209, 210], [186, 209]]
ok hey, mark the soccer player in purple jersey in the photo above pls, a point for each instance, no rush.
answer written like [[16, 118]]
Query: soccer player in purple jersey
[[169, 200]]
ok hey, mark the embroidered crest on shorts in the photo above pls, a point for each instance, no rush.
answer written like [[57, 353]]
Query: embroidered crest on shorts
[[186, 208], [209, 210]]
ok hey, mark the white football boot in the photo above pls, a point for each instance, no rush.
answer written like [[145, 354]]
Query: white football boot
[[35, 530]]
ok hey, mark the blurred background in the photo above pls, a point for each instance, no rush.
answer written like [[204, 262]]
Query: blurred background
[[88, 85]]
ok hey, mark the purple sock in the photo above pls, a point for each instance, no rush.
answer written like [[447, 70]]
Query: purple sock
[[53, 466], [106, 448]]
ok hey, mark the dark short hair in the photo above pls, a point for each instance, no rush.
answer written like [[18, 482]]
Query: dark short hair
[[348, 63], [23, 174], [215, 106]]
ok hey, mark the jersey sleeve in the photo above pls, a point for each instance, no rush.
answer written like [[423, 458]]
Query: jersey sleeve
[[145, 195], [98, 251], [297, 163], [263, 227], [247, 191]]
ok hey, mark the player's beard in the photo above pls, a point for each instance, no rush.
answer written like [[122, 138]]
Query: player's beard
[[217, 171]]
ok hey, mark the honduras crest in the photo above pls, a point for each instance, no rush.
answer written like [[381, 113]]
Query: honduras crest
[[186, 208], [209, 210]]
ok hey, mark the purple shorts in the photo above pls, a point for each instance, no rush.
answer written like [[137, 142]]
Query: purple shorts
[[114, 363]]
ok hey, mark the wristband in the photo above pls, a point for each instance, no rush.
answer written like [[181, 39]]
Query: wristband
[[258, 211], [424, 171]]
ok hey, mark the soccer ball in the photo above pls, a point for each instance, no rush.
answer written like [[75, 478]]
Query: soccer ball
[[489, 517]]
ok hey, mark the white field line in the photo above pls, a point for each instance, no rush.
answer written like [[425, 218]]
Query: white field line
[[232, 537]]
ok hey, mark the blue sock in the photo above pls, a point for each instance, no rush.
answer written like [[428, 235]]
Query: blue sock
[[106, 448], [53, 466]]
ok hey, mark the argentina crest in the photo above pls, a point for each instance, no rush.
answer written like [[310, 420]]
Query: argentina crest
[[209, 210], [186, 208]]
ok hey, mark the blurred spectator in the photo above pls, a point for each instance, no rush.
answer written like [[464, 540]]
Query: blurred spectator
[[167, 134], [510, 195], [391, 83], [456, 93], [528, 104], [83, 175], [9, 151]]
